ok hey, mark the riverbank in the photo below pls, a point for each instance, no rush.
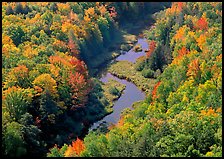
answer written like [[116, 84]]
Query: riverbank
[[102, 95], [130, 95], [123, 42], [123, 71], [126, 70], [112, 91]]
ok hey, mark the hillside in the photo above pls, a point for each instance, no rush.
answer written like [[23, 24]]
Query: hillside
[[182, 117], [49, 52], [53, 53]]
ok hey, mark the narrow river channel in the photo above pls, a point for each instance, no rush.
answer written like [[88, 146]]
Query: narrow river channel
[[131, 93]]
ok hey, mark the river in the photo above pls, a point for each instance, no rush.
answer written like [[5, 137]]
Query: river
[[131, 93]]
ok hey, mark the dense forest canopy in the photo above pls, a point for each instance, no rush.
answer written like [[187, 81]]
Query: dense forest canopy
[[49, 94]]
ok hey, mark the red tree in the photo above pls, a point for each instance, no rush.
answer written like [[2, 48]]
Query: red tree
[[194, 69], [155, 90], [80, 89], [78, 146], [75, 149], [152, 46], [73, 48], [183, 51], [201, 24], [79, 66]]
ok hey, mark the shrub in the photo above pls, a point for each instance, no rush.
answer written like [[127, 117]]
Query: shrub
[[125, 47], [114, 91], [148, 73], [139, 66], [157, 73]]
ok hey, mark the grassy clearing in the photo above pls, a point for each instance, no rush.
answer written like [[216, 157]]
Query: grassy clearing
[[126, 70], [110, 95]]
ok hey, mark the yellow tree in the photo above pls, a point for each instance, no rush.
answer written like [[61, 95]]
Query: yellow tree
[[47, 83], [201, 41], [17, 76]]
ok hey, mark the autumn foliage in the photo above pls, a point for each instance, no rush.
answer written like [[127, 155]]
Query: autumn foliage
[[155, 90], [75, 149], [183, 51], [112, 12], [182, 116], [78, 85], [201, 24], [46, 87], [210, 112], [21, 71], [201, 40], [41, 59], [176, 8], [179, 36], [73, 47], [152, 46], [194, 69]]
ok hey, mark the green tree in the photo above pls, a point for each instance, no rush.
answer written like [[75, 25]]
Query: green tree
[[31, 135], [13, 140], [16, 33], [16, 101]]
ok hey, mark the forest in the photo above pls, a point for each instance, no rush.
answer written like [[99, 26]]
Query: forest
[[53, 54]]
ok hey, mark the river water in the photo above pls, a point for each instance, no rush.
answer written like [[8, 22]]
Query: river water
[[131, 93]]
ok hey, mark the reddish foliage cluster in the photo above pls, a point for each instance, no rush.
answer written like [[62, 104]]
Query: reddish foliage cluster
[[38, 89], [152, 46], [112, 12], [78, 146], [73, 48], [176, 7], [183, 51], [120, 122], [155, 90], [193, 68], [75, 149], [201, 24], [71, 62], [75, 79], [79, 66], [21, 71], [80, 88], [37, 122], [210, 112], [180, 5]]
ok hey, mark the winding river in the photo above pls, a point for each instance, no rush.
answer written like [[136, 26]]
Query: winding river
[[131, 93]]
